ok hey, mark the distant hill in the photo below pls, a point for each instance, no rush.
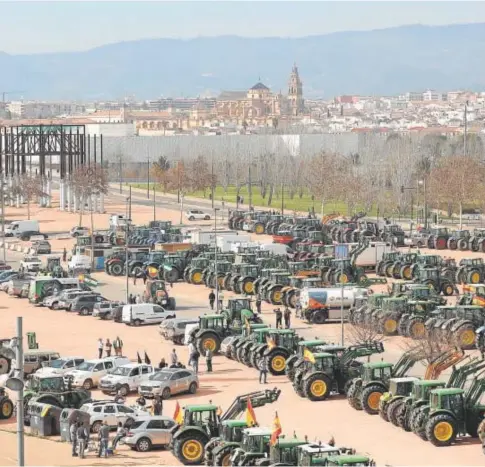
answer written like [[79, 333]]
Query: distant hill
[[387, 61]]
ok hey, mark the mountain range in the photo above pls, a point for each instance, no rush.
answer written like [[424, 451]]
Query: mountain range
[[379, 62]]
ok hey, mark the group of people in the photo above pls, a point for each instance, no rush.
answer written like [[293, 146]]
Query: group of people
[[79, 435], [286, 314], [108, 346], [194, 356], [134, 299]]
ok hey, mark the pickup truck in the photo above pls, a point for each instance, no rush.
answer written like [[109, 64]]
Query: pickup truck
[[125, 379], [30, 264]]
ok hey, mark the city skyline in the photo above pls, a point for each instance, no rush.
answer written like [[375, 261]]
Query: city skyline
[[34, 27]]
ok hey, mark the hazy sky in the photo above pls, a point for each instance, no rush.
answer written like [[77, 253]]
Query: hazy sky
[[30, 27]]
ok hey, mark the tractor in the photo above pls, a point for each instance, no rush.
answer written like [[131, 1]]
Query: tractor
[[438, 238], [426, 261], [343, 271], [318, 454], [135, 263], [459, 240], [244, 348], [210, 275], [477, 240], [173, 267], [391, 402], [365, 391], [280, 344], [152, 267], [248, 273], [416, 292], [386, 263], [156, 292], [218, 450], [53, 390], [386, 319], [236, 219], [360, 314], [412, 322], [403, 267], [230, 344], [6, 405], [203, 422], [238, 311], [326, 372], [193, 274], [433, 278], [254, 446], [471, 271], [54, 267], [283, 452], [294, 360], [393, 233], [271, 291]]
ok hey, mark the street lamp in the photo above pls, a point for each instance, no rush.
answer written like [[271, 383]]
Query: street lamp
[[215, 259], [425, 207], [128, 202]]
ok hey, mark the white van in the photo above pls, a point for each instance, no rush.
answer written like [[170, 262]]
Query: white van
[[18, 227], [79, 262], [145, 313]]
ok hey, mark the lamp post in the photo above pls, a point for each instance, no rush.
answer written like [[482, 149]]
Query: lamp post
[[2, 207], [425, 204], [128, 202], [154, 205], [215, 259], [148, 177]]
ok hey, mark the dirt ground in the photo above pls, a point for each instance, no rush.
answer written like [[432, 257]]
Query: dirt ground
[[74, 335]]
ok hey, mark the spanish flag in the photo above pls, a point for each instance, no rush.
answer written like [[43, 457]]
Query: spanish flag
[[276, 430], [308, 356], [271, 343], [250, 415], [178, 416]]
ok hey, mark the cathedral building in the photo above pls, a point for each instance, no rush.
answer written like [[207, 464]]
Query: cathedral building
[[260, 103]]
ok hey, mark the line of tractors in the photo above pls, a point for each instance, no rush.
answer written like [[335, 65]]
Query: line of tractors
[[441, 238], [208, 436]]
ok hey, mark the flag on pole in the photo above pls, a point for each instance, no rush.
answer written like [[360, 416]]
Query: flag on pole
[[147, 359], [138, 358], [250, 415], [177, 415], [308, 356], [276, 430], [271, 343]]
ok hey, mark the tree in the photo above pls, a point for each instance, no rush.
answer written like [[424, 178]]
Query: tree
[[364, 334], [457, 180], [200, 175], [29, 187], [162, 172], [89, 181], [321, 177]]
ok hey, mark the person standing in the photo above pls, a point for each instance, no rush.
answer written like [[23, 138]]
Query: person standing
[[120, 346], [73, 435], [162, 364], [134, 279], [157, 406], [144, 276], [100, 348], [208, 360], [298, 313], [192, 350], [258, 304], [195, 361], [120, 433], [212, 299], [174, 358], [138, 299], [279, 317], [221, 300], [103, 439], [108, 346], [130, 299], [263, 370], [82, 438], [64, 255], [287, 316]]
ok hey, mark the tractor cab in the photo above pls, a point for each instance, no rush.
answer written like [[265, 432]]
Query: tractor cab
[[232, 430], [324, 261], [439, 231], [341, 264], [316, 236], [429, 260], [461, 234], [156, 257], [223, 267], [316, 454], [217, 322], [296, 266], [377, 371], [311, 282], [394, 304], [248, 331], [469, 262], [245, 258], [296, 281], [172, 260], [314, 344], [286, 451], [399, 288], [345, 459], [317, 249], [251, 270], [420, 307], [422, 389], [155, 288], [199, 263], [229, 257], [42, 384], [260, 335], [401, 386], [235, 306], [204, 416], [255, 441], [283, 337], [282, 278], [324, 362], [429, 273], [375, 300]]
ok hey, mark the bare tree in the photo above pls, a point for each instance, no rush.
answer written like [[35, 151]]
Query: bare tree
[[321, 176], [29, 187], [364, 334]]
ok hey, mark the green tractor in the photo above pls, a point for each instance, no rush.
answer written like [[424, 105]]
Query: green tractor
[[343, 271], [248, 273], [280, 344], [210, 276], [412, 321], [284, 452], [230, 344], [470, 271], [386, 319], [254, 446], [434, 279], [386, 263], [203, 422], [193, 274], [218, 450], [391, 402], [459, 240], [243, 348], [238, 310], [330, 372], [292, 362], [318, 454], [6, 405], [416, 292], [272, 291], [360, 314], [402, 268], [156, 292], [265, 275], [365, 391]]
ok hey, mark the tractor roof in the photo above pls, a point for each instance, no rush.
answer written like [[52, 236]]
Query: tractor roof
[[258, 326], [396, 299], [315, 448], [377, 365], [258, 431], [429, 383], [235, 423], [323, 355], [283, 331], [311, 343], [348, 459], [213, 316], [405, 379], [447, 391], [201, 408], [262, 330], [290, 442]]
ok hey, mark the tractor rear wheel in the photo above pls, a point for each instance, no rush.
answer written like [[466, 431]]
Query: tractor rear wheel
[[317, 387], [447, 288], [209, 340], [6, 408], [465, 336], [189, 449], [441, 430], [275, 296], [418, 424], [224, 457], [416, 328], [116, 269], [370, 398], [196, 277], [352, 396], [388, 324], [247, 285], [393, 411], [277, 362], [452, 244], [474, 277], [462, 244], [406, 272]]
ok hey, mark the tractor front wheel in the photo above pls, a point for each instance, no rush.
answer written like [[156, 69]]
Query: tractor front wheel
[[393, 411], [370, 398], [352, 397], [317, 387], [6, 408], [441, 430], [277, 362], [224, 457], [209, 341], [416, 329], [189, 449]]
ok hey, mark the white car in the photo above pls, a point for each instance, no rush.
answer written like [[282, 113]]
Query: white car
[[79, 231], [111, 412], [88, 374], [125, 378], [60, 367], [30, 264], [196, 214]]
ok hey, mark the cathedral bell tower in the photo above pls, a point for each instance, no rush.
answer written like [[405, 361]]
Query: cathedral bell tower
[[295, 93]]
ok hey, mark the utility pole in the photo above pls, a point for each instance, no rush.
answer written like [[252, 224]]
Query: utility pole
[[465, 133], [121, 175], [154, 206], [128, 203], [212, 181], [282, 198], [215, 259], [250, 187], [2, 203], [20, 402], [129, 212], [148, 176]]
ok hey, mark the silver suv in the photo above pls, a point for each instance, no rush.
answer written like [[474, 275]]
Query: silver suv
[[149, 432], [169, 381], [103, 310]]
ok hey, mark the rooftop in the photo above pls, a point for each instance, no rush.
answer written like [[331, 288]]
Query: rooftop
[[260, 87]]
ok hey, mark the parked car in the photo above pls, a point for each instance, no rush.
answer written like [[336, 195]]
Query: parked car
[[30, 264], [145, 313], [79, 231], [36, 358], [60, 366], [83, 304], [169, 381], [174, 329], [5, 275], [196, 214], [103, 310], [65, 303], [147, 433], [125, 379], [117, 314], [89, 372], [4, 266], [52, 301], [41, 247], [110, 412]]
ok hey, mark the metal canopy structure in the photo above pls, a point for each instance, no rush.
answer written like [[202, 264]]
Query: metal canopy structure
[[68, 144]]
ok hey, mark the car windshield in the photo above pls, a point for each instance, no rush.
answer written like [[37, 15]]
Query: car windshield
[[58, 363], [160, 376], [121, 371], [86, 366]]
